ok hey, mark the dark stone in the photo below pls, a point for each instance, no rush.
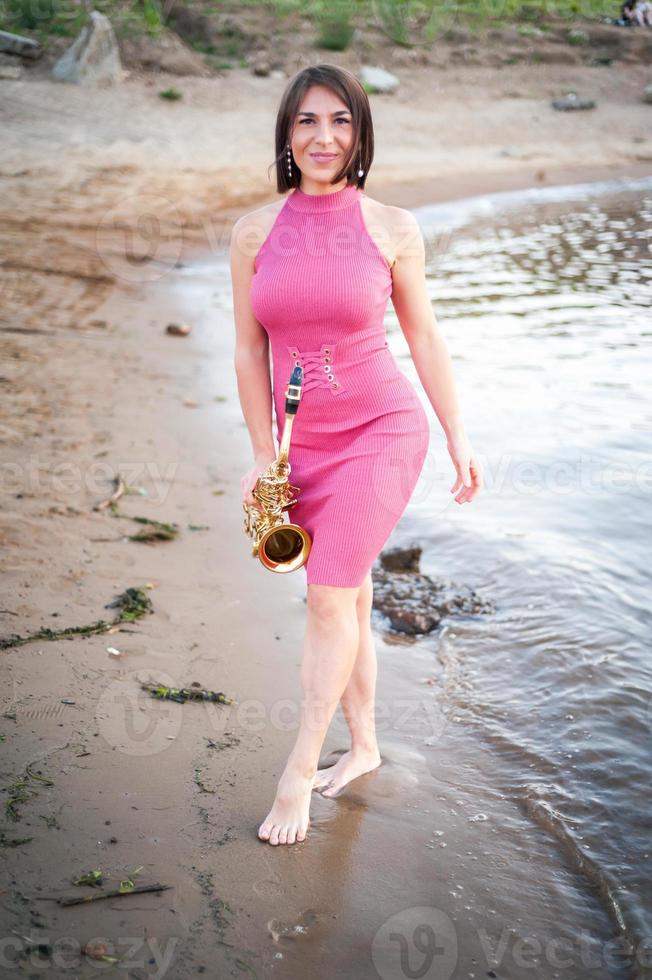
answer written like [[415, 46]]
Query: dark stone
[[413, 602], [401, 559], [572, 102]]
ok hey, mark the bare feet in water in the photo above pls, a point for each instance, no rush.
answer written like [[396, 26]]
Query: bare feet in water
[[352, 764], [288, 820]]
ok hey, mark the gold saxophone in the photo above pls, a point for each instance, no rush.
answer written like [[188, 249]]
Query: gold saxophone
[[281, 547]]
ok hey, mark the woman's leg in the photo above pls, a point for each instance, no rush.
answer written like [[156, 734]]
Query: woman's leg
[[330, 649], [358, 707]]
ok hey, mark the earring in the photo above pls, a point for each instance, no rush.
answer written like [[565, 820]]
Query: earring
[[360, 170], [289, 162]]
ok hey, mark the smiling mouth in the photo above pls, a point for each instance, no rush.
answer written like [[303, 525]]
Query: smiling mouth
[[324, 156]]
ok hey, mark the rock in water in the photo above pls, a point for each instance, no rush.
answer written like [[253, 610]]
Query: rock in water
[[413, 602], [93, 58]]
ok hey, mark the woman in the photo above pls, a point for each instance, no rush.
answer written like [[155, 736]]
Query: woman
[[315, 292], [627, 15]]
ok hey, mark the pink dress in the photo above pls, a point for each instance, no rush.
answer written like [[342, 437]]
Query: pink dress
[[360, 436]]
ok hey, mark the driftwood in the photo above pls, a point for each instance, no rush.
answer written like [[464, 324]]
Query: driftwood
[[120, 487], [113, 893], [26, 47]]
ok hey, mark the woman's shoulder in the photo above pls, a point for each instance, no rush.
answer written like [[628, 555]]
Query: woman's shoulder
[[254, 226], [380, 209], [263, 214], [397, 224], [260, 219]]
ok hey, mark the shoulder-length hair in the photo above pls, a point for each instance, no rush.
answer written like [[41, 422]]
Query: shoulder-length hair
[[350, 90]]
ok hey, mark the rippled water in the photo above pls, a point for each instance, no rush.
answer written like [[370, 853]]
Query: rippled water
[[547, 703], [508, 832]]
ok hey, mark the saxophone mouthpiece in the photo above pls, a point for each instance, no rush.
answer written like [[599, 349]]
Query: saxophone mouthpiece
[[293, 391]]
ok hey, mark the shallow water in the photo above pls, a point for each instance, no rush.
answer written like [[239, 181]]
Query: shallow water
[[546, 311], [507, 833]]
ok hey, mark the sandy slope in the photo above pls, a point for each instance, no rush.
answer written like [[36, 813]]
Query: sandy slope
[[93, 385]]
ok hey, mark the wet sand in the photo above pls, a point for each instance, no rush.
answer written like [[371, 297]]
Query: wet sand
[[93, 387]]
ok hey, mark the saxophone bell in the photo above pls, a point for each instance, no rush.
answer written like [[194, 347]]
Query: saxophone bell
[[280, 547]]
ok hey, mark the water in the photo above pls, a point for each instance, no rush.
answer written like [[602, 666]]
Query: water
[[507, 833], [546, 312]]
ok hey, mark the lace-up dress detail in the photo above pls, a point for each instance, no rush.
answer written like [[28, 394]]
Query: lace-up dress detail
[[317, 367], [360, 437]]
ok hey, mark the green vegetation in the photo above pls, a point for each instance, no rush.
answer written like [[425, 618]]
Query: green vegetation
[[578, 37], [404, 22], [132, 603], [334, 25]]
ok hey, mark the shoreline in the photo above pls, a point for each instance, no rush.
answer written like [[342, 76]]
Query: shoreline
[[422, 192], [99, 388], [183, 811]]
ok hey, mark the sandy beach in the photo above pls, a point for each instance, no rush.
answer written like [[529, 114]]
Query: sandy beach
[[115, 214]]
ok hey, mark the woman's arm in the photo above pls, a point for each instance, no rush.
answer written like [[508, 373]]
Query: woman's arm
[[417, 319], [429, 351], [251, 357]]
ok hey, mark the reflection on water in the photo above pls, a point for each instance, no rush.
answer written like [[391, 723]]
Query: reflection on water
[[546, 312], [507, 832]]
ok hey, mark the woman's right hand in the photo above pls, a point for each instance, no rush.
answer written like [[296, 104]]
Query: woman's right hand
[[248, 481]]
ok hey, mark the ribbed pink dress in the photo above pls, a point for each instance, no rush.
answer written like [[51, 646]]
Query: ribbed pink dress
[[360, 436]]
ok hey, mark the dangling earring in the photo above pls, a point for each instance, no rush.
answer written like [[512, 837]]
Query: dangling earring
[[360, 170], [289, 162]]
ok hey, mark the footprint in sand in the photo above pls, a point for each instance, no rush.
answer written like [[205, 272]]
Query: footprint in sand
[[269, 887]]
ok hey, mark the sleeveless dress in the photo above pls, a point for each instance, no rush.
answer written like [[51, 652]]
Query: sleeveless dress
[[360, 436]]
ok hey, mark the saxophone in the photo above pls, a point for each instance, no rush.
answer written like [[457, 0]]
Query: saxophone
[[280, 547]]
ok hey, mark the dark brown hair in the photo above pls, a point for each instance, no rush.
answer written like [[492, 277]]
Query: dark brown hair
[[350, 90]]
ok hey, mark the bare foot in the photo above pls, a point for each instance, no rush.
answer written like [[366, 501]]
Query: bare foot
[[352, 764], [288, 820]]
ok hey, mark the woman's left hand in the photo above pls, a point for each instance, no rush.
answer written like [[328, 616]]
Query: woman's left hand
[[467, 467]]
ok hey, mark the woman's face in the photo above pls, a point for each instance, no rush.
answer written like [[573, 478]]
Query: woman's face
[[321, 136]]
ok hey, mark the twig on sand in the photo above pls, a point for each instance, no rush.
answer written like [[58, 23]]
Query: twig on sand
[[112, 893], [120, 487]]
